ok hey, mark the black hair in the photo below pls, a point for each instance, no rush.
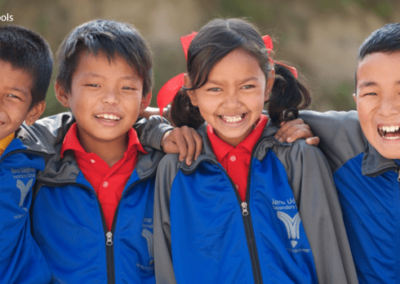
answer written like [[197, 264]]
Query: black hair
[[27, 50], [385, 39], [216, 40], [109, 37]]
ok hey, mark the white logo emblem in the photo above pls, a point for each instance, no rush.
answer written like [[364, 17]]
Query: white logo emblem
[[149, 238], [292, 226], [24, 190]]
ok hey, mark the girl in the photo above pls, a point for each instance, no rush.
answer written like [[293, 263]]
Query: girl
[[250, 209]]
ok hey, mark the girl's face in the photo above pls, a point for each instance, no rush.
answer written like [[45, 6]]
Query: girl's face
[[233, 98]]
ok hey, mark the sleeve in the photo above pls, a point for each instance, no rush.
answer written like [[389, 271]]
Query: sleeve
[[151, 131], [340, 133], [317, 200], [21, 261], [166, 173]]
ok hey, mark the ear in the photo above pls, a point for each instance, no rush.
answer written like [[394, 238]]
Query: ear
[[35, 112], [355, 97], [61, 94], [270, 84], [145, 101], [191, 94]]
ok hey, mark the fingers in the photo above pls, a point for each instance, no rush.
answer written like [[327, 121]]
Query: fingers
[[185, 141], [314, 141], [199, 143], [292, 130]]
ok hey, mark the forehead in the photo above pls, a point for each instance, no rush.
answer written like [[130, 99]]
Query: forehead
[[237, 63], [101, 64], [16, 79], [379, 67]]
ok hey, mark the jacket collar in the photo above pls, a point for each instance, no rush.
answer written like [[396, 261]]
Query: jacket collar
[[374, 164], [266, 142], [65, 170]]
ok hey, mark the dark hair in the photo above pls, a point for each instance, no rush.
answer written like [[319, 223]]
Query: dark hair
[[385, 39], [216, 40], [109, 37], [27, 50]]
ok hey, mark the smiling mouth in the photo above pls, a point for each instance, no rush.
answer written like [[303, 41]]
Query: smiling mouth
[[108, 117], [389, 132], [232, 118]]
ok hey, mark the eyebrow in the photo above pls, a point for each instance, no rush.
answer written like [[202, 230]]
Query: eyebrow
[[19, 90], [91, 74], [241, 82], [372, 83]]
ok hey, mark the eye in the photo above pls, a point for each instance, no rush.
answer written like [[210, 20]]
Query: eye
[[128, 88], [246, 87], [14, 97], [93, 85], [215, 89], [370, 94]]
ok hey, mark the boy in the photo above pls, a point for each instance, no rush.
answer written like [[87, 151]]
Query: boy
[[364, 154], [92, 214], [25, 69]]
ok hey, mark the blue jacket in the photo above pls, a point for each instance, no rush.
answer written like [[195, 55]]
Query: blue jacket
[[369, 192], [288, 230], [20, 258], [68, 224]]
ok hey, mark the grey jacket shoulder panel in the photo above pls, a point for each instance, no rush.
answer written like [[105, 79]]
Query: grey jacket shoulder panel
[[168, 169], [340, 134], [313, 188], [342, 139]]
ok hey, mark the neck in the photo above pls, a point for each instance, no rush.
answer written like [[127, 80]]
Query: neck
[[110, 151]]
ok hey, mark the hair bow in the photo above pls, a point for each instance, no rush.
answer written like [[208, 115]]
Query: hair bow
[[270, 46]]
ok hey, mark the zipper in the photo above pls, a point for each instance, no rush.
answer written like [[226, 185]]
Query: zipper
[[108, 234], [247, 220], [398, 174]]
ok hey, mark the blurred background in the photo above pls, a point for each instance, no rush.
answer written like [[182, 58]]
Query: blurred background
[[319, 37]]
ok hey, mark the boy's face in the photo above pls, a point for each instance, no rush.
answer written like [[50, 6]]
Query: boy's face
[[378, 101], [15, 99], [105, 98]]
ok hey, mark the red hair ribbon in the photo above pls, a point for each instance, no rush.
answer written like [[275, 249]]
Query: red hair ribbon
[[169, 90], [269, 45]]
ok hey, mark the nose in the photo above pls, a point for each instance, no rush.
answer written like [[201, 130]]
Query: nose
[[389, 105], [110, 97], [232, 99]]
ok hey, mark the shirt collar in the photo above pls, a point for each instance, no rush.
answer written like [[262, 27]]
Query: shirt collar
[[71, 141], [5, 142], [221, 148]]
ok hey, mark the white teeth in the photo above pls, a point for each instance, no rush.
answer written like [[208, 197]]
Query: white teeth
[[391, 138], [108, 117], [389, 128], [235, 118]]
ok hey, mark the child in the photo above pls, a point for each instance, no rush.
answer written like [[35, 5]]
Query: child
[[363, 151], [92, 214], [25, 69], [211, 225]]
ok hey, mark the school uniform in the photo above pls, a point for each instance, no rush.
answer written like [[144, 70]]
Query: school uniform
[[288, 228], [68, 222], [368, 188], [21, 260]]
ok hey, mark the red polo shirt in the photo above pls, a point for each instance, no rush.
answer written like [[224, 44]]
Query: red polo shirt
[[236, 160], [108, 183]]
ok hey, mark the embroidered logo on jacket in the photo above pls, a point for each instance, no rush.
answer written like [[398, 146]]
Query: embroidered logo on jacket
[[24, 190], [149, 238], [147, 234], [292, 226]]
